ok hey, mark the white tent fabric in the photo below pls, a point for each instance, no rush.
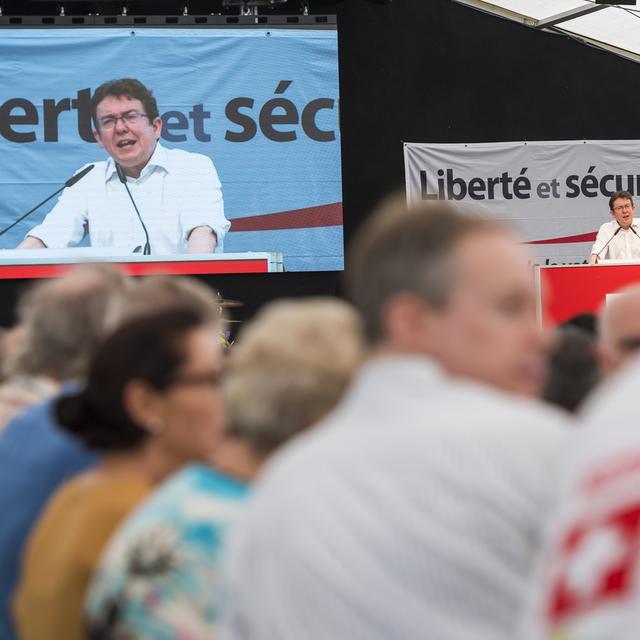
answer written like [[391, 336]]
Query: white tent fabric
[[611, 27]]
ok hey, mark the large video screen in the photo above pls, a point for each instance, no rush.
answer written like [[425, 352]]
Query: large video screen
[[206, 145]]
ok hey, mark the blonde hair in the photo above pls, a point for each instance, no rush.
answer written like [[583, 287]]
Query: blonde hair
[[290, 367]]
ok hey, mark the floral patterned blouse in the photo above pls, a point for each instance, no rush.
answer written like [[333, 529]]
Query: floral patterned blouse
[[158, 577]]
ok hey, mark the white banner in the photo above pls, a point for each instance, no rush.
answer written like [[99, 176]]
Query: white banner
[[556, 194]]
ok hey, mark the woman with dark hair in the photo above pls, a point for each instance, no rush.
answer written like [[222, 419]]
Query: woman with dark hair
[[151, 404], [159, 575]]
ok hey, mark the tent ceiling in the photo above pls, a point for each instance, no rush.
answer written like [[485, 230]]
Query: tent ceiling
[[613, 28]]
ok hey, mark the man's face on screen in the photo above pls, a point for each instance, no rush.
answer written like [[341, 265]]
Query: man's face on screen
[[130, 143]]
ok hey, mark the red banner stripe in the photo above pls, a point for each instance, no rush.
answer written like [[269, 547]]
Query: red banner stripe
[[328, 215], [582, 237], [142, 268]]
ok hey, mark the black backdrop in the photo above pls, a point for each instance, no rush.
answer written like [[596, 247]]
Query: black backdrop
[[428, 71]]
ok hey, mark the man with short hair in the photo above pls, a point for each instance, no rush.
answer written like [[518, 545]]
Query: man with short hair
[[59, 322], [414, 511], [178, 194], [618, 239]]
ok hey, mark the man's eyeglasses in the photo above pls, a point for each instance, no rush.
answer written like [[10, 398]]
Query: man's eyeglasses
[[622, 207], [130, 117]]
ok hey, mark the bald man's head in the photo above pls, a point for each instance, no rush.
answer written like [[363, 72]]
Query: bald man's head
[[619, 328]]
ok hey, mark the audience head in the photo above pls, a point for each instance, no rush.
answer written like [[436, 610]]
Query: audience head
[[619, 328], [574, 368], [153, 381], [290, 367], [585, 322], [433, 281], [158, 293], [62, 321]]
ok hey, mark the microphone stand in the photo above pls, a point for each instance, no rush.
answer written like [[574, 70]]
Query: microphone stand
[[69, 183], [617, 231], [123, 179]]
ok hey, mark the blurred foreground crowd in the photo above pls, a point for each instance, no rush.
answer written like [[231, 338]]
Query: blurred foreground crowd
[[422, 463]]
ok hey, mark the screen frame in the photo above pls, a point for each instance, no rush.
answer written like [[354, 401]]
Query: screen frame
[[177, 264]]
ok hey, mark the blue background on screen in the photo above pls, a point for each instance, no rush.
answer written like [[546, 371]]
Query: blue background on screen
[[186, 67]]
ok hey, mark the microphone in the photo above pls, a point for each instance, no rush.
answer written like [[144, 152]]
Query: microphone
[[123, 179], [69, 183], [617, 231], [634, 231], [78, 176]]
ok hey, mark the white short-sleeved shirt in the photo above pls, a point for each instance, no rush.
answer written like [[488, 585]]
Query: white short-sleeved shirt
[[176, 192], [414, 511], [625, 246]]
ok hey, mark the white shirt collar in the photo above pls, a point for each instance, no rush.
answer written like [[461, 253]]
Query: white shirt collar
[[159, 158], [396, 370], [614, 224]]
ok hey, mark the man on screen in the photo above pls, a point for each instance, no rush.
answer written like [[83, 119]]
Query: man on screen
[[177, 193], [618, 239]]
